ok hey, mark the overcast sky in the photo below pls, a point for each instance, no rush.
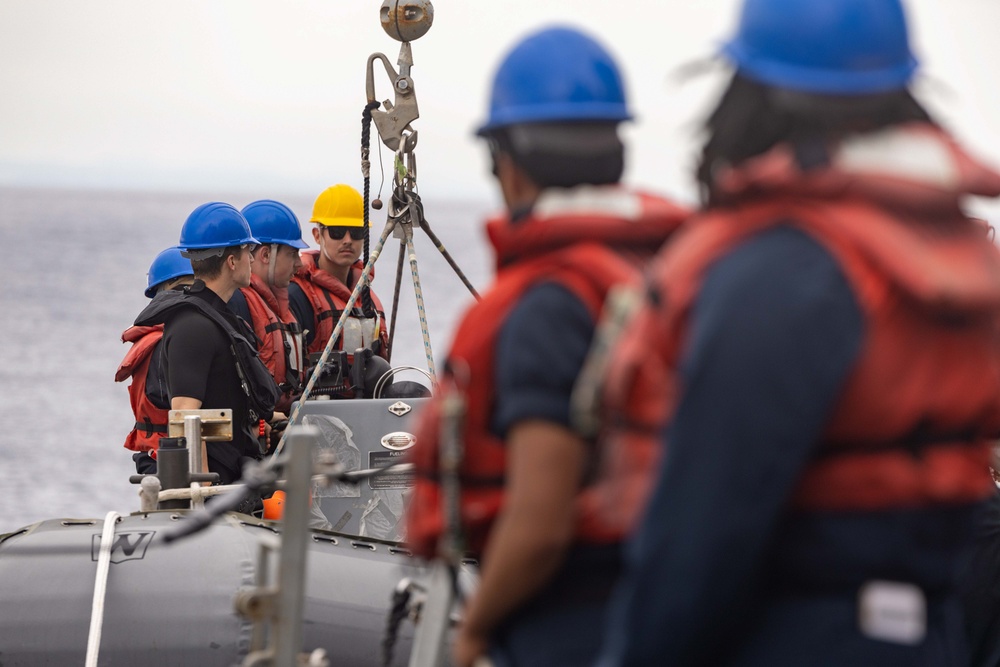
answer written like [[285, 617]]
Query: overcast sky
[[266, 96]]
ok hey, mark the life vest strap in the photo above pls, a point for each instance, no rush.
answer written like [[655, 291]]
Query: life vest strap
[[148, 428], [327, 314], [917, 443]]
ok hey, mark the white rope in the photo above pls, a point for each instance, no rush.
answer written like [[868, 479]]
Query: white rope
[[201, 492], [421, 313], [272, 260], [197, 499], [100, 588]]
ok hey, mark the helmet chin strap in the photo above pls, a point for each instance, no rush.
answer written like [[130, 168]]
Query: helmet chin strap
[[326, 253], [270, 264]]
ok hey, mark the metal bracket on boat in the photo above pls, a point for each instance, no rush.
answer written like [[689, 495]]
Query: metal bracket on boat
[[198, 427], [215, 424], [179, 480], [279, 605]]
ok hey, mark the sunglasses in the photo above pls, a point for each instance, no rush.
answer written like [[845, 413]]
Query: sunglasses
[[337, 233]]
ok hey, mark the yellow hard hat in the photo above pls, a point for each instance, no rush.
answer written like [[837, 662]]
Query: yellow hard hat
[[339, 206]]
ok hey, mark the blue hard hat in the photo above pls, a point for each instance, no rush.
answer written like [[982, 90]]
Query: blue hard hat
[[836, 47], [168, 265], [272, 222], [215, 225], [557, 74]]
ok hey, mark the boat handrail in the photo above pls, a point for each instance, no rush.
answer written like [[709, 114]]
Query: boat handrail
[[380, 384]]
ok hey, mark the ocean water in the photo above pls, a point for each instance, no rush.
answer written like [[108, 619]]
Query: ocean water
[[72, 277]]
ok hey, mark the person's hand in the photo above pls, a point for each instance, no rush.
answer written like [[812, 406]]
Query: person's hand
[[276, 429], [468, 648]]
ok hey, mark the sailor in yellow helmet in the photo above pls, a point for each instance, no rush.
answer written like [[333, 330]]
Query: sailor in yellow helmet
[[321, 288]]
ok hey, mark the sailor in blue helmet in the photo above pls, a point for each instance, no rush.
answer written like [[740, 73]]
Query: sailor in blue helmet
[[210, 354], [147, 391], [265, 304], [820, 348], [569, 234]]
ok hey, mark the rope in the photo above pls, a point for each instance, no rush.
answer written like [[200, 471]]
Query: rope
[[421, 313], [271, 263], [366, 126], [100, 588], [200, 491], [395, 300]]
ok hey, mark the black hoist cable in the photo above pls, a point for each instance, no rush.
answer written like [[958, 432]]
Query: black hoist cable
[[366, 125]]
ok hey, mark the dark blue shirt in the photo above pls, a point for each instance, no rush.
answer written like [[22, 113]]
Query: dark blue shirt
[[540, 350], [774, 333], [299, 304], [238, 304]]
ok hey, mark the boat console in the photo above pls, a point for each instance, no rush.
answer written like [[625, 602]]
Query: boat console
[[363, 434]]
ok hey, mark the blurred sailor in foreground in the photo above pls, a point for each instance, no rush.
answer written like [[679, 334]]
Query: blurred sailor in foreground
[[826, 360], [570, 233]]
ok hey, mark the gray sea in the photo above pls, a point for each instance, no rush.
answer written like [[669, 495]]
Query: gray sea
[[72, 276]]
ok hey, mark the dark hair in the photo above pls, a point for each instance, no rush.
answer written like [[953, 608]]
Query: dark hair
[[752, 117], [211, 267], [563, 155]]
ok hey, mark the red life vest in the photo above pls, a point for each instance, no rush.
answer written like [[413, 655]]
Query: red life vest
[[150, 421], [280, 339], [328, 296], [567, 245], [913, 425]]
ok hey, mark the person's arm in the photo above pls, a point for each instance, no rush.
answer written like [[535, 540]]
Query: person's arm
[[775, 332], [539, 353], [188, 361], [529, 540], [184, 403]]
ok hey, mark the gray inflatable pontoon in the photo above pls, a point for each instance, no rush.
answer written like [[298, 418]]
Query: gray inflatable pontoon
[[174, 604]]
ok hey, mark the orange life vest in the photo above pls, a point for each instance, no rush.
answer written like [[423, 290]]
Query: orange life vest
[[570, 249], [150, 421], [280, 339], [328, 296], [913, 424]]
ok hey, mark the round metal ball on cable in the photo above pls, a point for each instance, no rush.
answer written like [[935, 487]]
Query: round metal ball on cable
[[406, 20]]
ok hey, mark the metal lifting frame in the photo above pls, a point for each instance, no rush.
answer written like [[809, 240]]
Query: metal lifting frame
[[405, 209]]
